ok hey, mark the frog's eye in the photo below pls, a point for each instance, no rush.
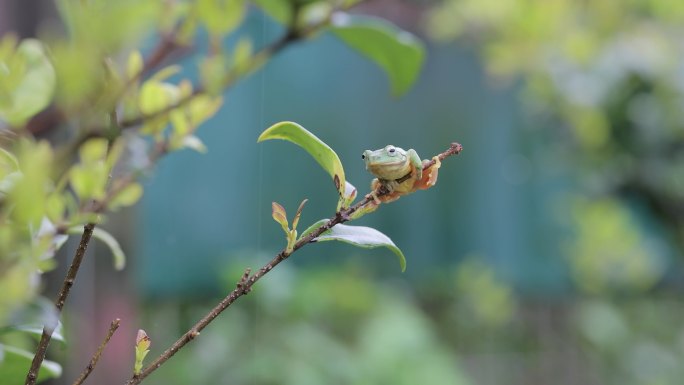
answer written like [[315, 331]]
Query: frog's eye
[[391, 149], [363, 156]]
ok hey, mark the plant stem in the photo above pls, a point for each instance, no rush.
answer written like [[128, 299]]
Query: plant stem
[[244, 286], [52, 322], [96, 357]]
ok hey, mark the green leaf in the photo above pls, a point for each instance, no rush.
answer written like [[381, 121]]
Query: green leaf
[[362, 236], [320, 151], [397, 52], [194, 143], [278, 10], [93, 150], [8, 163], [128, 196], [313, 227], [135, 64], [111, 242], [35, 330], [220, 16], [34, 91], [15, 363], [166, 73]]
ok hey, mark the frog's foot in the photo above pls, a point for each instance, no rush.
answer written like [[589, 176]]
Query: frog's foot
[[374, 194]]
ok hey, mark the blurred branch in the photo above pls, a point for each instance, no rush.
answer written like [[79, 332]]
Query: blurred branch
[[96, 357], [52, 322], [244, 285]]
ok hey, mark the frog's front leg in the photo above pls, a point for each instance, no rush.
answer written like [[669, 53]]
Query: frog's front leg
[[390, 185], [416, 163]]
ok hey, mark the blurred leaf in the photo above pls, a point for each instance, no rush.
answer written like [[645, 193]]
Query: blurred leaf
[[212, 73], [93, 150], [241, 55], [166, 73], [15, 363], [194, 143], [153, 97], [29, 192], [34, 79], [156, 97], [203, 107], [220, 17], [35, 330], [397, 52], [320, 151], [362, 236], [117, 253], [279, 10], [8, 163], [135, 64], [313, 14], [128, 196], [111, 242], [88, 181]]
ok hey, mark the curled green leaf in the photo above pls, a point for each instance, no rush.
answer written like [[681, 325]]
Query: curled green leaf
[[362, 236], [117, 253], [321, 152]]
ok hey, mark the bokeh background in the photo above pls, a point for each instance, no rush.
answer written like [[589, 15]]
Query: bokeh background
[[549, 252]]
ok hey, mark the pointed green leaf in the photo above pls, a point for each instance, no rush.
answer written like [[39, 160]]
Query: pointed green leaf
[[397, 52], [128, 196], [135, 64], [320, 151], [15, 363], [362, 236], [313, 227], [166, 73], [117, 253]]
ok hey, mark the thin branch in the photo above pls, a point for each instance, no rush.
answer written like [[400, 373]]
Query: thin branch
[[244, 286], [96, 357], [52, 322]]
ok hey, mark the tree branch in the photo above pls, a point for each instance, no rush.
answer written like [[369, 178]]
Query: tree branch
[[96, 357], [52, 323], [244, 286]]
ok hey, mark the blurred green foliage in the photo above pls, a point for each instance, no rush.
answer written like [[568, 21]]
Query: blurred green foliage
[[319, 326], [603, 78]]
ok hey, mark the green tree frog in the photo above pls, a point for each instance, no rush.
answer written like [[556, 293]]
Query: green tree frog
[[400, 171]]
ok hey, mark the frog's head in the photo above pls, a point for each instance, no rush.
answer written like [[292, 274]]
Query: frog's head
[[387, 163]]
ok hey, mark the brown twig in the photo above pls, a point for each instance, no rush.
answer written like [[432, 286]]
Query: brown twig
[[52, 323], [96, 357], [246, 282]]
